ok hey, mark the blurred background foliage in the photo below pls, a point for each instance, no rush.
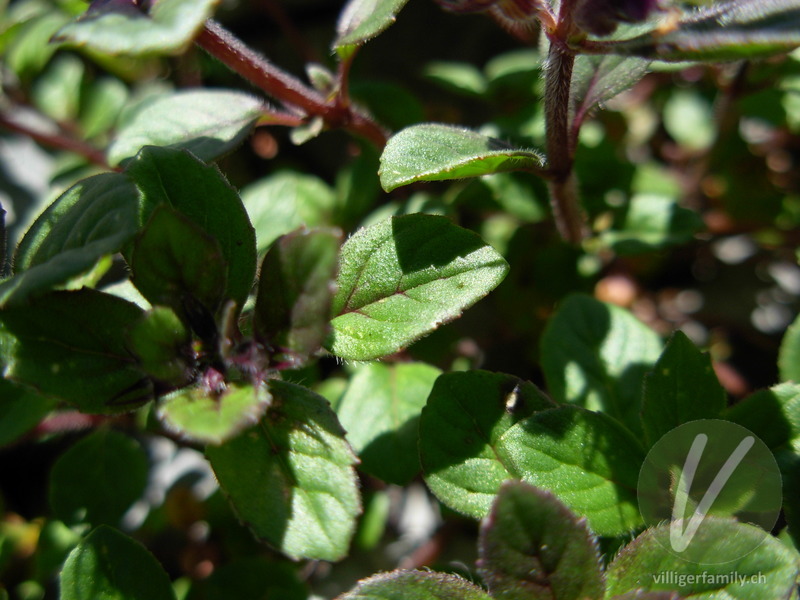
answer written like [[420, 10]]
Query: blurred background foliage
[[690, 181]]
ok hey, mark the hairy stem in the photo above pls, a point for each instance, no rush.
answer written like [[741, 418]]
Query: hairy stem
[[236, 55], [563, 185], [3, 243]]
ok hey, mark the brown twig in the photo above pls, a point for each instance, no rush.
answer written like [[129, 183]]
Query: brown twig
[[58, 141], [236, 55]]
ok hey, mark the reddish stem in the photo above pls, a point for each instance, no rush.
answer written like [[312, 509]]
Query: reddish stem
[[58, 142], [236, 55]]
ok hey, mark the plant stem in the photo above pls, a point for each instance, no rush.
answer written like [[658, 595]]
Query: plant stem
[[563, 185], [58, 142], [3, 243], [236, 55]]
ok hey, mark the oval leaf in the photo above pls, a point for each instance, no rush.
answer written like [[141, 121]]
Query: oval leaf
[[596, 355], [94, 218], [721, 565], [588, 460], [415, 585], [403, 278], [208, 123], [380, 412], [199, 416], [789, 357], [69, 345], [432, 152], [98, 479], [108, 564], [532, 546], [179, 180], [362, 20], [168, 29], [681, 388], [291, 477], [162, 344], [21, 409], [460, 427], [295, 291], [173, 259]]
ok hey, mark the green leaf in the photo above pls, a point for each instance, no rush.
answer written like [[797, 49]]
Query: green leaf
[[587, 459], [707, 568], [254, 578], [21, 410], [91, 220], [735, 30], [162, 345], [57, 91], [789, 356], [415, 585], [432, 152], [69, 345], [109, 565], [170, 28], [30, 49], [173, 259], [200, 416], [773, 415], [651, 221], [282, 202], [466, 415], [295, 292], [689, 119], [380, 412], [682, 387], [200, 192], [403, 278], [98, 479], [463, 77], [596, 79], [532, 546], [103, 104], [291, 478], [362, 20], [596, 355], [208, 123]]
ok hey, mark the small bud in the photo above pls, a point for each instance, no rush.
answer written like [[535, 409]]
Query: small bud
[[601, 17]]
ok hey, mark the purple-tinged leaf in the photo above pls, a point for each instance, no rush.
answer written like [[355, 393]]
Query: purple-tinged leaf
[[415, 585], [531, 546]]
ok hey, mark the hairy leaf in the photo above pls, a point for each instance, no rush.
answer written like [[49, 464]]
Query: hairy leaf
[[403, 278], [208, 123], [98, 479], [460, 429], [108, 564], [415, 585], [432, 152], [295, 292], [596, 355], [588, 460], [681, 388], [290, 478], [734, 30], [169, 28], [362, 20], [380, 412], [201, 193], [717, 564], [69, 345], [532, 546], [213, 418], [93, 219]]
